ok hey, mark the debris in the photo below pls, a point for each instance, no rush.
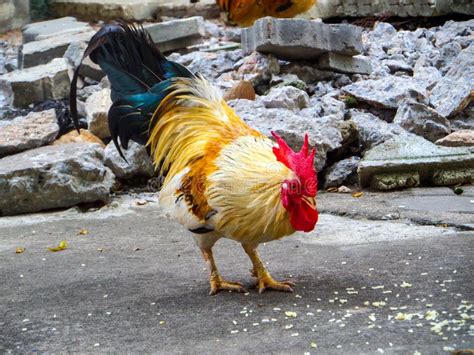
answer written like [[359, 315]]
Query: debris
[[62, 246], [20, 250]]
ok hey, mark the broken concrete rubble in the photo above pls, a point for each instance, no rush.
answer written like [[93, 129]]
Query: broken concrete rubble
[[407, 161], [176, 34], [53, 177], [138, 161], [97, 107], [56, 27], [32, 131], [298, 39], [345, 64], [37, 84]]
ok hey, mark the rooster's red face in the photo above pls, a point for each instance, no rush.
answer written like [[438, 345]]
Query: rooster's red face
[[298, 195]]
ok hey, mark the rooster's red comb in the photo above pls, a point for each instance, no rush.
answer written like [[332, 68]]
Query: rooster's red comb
[[302, 162]]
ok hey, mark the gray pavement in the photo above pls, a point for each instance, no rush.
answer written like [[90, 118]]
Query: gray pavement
[[136, 283]]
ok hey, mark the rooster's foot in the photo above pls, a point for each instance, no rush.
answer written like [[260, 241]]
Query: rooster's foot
[[219, 284], [268, 283]]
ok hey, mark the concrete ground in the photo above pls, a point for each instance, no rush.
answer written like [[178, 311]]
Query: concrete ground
[[369, 280]]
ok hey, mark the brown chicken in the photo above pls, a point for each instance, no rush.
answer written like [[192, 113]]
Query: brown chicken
[[246, 12]]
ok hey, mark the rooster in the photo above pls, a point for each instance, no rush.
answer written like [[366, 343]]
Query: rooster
[[221, 178], [246, 12]]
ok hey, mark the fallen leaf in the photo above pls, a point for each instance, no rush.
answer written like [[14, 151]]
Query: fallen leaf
[[332, 189], [290, 314], [62, 245], [19, 250], [141, 202], [314, 345], [100, 250], [357, 194], [83, 232]]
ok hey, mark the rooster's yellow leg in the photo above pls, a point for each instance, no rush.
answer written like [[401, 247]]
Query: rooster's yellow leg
[[265, 280], [216, 280]]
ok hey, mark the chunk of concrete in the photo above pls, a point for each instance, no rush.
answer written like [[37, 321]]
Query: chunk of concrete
[[455, 91], [138, 161], [387, 92], [177, 34], [42, 52], [91, 10], [287, 97], [56, 27], [53, 177], [462, 138], [13, 14], [299, 39], [345, 64], [97, 108], [28, 132], [44, 82], [83, 137], [422, 120], [407, 161]]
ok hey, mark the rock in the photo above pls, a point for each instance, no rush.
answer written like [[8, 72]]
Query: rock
[[97, 108], [74, 137], [299, 39], [91, 70], [93, 10], [210, 64], [186, 8], [407, 161], [345, 64], [307, 72], [422, 120], [343, 172], [74, 52], [455, 90], [44, 82], [462, 138], [324, 106], [32, 131], [397, 65], [57, 27], [176, 34], [372, 130], [427, 76], [258, 69], [242, 90], [53, 177], [324, 132], [288, 80], [42, 52], [387, 92], [287, 97], [138, 161]]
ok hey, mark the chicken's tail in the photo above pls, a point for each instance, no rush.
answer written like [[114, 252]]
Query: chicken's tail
[[140, 78]]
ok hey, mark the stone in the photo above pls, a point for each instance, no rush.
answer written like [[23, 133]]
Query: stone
[[387, 92], [93, 10], [324, 106], [138, 161], [91, 70], [397, 65], [344, 172], [13, 14], [324, 132], [372, 130], [462, 138], [288, 80], [422, 120], [287, 97], [53, 177], [242, 90], [308, 72], [177, 34], [42, 52], [56, 27], [410, 160], [44, 82], [97, 108], [28, 132], [299, 39], [345, 64], [184, 9], [455, 91], [83, 137]]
